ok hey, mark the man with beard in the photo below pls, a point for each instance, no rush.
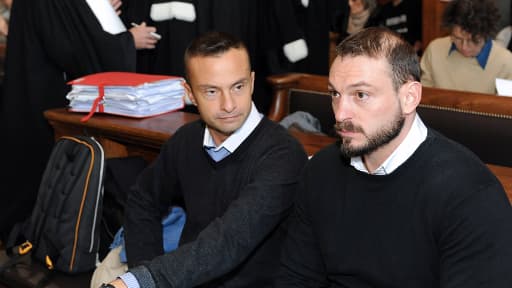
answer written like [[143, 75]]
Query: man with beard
[[393, 203]]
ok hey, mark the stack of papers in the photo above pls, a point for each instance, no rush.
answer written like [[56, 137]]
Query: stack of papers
[[504, 87], [128, 94]]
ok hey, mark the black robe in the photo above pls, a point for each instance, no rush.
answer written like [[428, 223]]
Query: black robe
[[247, 21], [289, 21], [167, 57], [264, 26], [243, 19], [50, 42]]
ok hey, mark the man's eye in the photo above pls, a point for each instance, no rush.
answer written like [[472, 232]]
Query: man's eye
[[238, 87], [334, 94], [361, 95], [210, 94]]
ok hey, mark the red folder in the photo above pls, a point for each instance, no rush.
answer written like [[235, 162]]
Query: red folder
[[119, 79], [102, 79]]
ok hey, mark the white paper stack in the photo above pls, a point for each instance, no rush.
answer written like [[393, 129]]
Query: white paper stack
[[127, 94], [504, 87]]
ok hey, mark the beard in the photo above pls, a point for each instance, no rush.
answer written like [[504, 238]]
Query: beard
[[374, 141]]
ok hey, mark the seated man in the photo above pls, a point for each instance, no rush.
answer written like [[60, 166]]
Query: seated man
[[235, 205], [469, 59], [394, 203]]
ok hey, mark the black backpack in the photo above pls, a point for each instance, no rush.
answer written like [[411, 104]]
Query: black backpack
[[63, 230]]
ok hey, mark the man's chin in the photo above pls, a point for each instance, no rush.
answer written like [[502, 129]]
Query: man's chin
[[227, 130], [350, 150]]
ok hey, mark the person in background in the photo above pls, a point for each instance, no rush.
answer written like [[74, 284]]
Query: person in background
[[235, 173], [281, 36], [505, 34], [393, 203], [179, 22], [299, 35], [404, 17], [5, 10], [360, 14], [176, 22], [50, 42], [469, 59]]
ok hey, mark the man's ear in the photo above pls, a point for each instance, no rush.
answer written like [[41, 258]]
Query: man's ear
[[253, 78], [189, 96], [411, 96]]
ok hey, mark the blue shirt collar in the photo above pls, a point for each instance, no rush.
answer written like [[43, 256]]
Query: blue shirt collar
[[483, 56], [235, 139]]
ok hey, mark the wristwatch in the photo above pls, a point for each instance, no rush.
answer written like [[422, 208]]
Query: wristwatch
[[107, 286]]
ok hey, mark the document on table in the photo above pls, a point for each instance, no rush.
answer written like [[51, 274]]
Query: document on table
[[107, 16], [504, 87], [127, 94]]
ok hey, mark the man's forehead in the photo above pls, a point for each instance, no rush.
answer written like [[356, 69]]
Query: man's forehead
[[459, 32], [359, 63], [358, 70]]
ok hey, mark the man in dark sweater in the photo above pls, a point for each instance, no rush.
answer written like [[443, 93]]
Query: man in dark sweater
[[404, 17], [235, 205], [393, 203]]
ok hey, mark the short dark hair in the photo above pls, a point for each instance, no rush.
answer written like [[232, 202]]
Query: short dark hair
[[480, 18], [212, 43], [376, 42]]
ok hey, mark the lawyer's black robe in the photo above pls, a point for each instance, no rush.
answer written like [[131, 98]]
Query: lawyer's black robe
[[244, 19], [167, 57], [292, 21], [49, 43]]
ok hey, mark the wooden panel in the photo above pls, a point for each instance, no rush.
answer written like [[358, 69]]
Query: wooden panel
[[121, 136], [504, 174], [432, 12]]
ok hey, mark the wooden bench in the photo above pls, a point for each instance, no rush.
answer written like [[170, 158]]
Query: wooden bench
[[481, 122]]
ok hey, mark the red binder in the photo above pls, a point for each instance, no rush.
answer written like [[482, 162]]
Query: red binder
[[119, 79], [106, 79]]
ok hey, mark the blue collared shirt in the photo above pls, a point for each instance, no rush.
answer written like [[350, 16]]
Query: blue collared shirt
[[235, 139], [482, 57]]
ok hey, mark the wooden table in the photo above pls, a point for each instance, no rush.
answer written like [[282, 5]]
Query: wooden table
[[504, 174], [122, 136]]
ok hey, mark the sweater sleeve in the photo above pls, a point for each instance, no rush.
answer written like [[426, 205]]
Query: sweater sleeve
[[228, 240], [304, 269], [145, 207], [475, 237]]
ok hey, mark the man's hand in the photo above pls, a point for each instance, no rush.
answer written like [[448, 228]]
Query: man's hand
[[4, 26], [118, 283], [117, 5], [142, 37]]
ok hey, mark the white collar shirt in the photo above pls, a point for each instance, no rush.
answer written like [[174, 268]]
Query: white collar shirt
[[412, 141]]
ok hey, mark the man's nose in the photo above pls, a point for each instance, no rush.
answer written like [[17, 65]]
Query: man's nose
[[228, 102]]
